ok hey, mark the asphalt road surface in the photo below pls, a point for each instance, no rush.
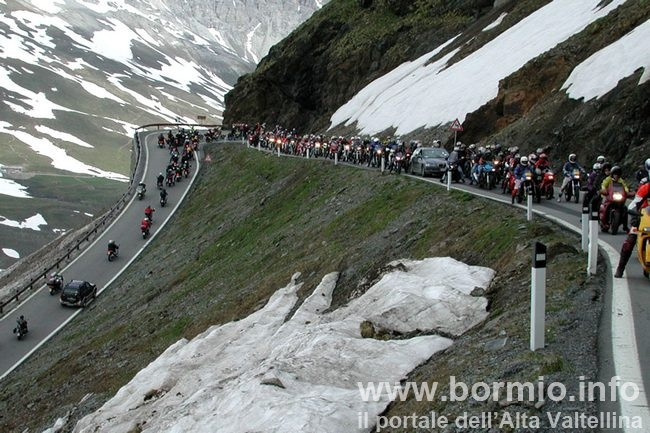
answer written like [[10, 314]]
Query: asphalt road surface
[[43, 311]]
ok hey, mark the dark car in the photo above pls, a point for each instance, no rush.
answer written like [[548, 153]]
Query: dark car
[[429, 161], [78, 293]]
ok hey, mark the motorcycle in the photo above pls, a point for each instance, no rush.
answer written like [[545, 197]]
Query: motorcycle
[[161, 142], [572, 189], [487, 178], [455, 175], [55, 283], [140, 192], [145, 231], [546, 189], [526, 187], [111, 253], [21, 330], [163, 201], [613, 211]]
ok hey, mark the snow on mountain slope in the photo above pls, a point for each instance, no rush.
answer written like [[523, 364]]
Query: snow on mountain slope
[[418, 94], [77, 76], [266, 373]]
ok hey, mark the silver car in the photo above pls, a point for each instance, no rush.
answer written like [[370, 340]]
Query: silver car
[[429, 161]]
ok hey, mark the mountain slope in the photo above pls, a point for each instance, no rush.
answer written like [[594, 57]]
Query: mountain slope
[[229, 248], [506, 71], [78, 76]]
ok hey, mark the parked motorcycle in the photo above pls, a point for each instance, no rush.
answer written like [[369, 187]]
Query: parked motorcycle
[[55, 283], [613, 211]]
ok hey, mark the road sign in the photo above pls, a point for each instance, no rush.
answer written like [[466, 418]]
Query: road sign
[[207, 158], [456, 126]]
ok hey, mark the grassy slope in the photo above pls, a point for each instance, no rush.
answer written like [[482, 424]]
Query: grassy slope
[[251, 221]]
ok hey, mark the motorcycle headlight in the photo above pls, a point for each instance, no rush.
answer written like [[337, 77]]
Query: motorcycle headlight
[[617, 196]]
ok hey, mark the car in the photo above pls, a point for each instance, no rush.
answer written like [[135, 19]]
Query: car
[[429, 161], [78, 293]]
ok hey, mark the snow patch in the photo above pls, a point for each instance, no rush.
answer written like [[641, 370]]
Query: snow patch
[[33, 222], [266, 373], [11, 253]]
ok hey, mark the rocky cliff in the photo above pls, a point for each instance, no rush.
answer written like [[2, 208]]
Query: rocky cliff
[[348, 44]]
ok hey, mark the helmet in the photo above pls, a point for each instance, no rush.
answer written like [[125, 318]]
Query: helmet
[[543, 156], [647, 164], [111, 241], [160, 174], [597, 166], [472, 146], [22, 317], [606, 166], [524, 160], [539, 151], [600, 159], [515, 149], [532, 157], [616, 171], [572, 157]]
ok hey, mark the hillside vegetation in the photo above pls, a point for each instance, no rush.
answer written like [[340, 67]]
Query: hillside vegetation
[[251, 221]]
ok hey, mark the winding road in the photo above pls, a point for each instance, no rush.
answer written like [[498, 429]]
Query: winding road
[[43, 311]]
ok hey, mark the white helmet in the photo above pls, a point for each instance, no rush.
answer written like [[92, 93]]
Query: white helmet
[[524, 160]]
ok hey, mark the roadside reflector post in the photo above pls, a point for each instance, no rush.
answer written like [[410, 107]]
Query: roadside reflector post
[[449, 176], [336, 158], [538, 297], [259, 145], [529, 204], [585, 228], [278, 151], [307, 153], [382, 163], [592, 258]]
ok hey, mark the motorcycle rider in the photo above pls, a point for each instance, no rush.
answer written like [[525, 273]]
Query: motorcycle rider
[[22, 324], [454, 158], [520, 171], [567, 171], [160, 180], [640, 202], [142, 189], [643, 175], [55, 281], [113, 246], [594, 181], [148, 212], [163, 195], [145, 224]]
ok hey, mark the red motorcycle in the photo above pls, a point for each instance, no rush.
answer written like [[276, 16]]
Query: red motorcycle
[[613, 211], [547, 184]]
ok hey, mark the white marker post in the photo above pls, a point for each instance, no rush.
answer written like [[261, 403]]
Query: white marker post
[[538, 297], [336, 158], [307, 153], [585, 228], [382, 163], [529, 204], [278, 151], [259, 145], [449, 176], [592, 258]]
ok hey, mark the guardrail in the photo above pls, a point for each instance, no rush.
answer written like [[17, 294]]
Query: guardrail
[[34, 281]]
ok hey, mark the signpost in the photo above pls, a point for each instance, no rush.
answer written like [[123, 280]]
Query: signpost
[[456, 127]]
